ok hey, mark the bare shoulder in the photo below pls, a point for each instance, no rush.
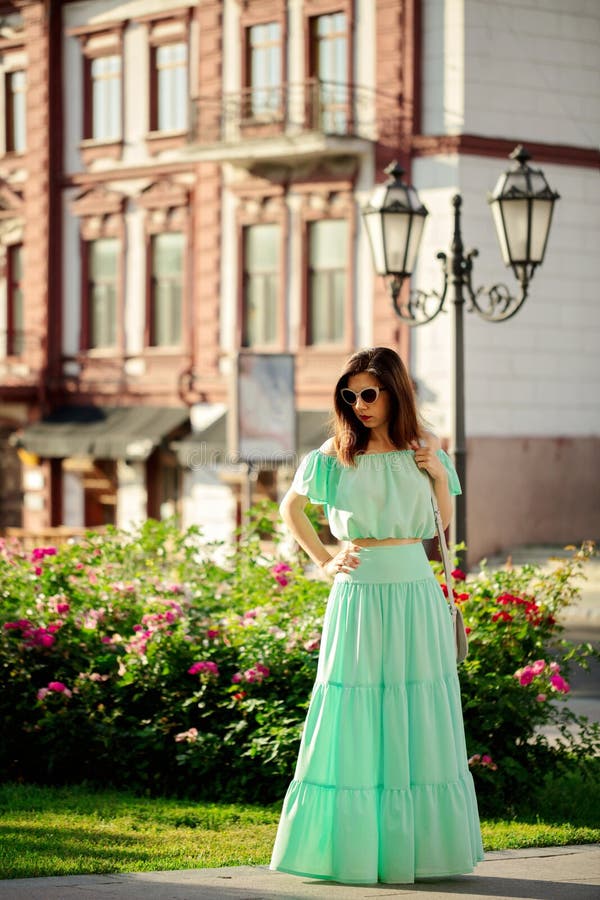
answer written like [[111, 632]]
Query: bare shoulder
[[432, 440], [328, 447]]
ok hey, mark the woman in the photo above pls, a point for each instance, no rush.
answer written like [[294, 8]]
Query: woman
[[382, 789]]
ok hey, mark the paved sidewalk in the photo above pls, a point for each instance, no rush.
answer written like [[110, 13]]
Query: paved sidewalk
[[553, 873]]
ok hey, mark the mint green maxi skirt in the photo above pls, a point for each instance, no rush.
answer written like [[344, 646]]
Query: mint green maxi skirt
[[382, 789]]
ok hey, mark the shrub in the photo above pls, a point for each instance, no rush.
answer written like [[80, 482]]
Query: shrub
[[140, 660], [516, 677], [153, 661]]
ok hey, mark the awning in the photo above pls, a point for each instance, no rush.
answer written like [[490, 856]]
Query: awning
[[208, 447], [101, 432]]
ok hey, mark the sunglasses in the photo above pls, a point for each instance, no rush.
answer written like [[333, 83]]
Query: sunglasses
[[367, 395]]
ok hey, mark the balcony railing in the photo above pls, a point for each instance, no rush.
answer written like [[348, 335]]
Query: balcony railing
[[291, 110]]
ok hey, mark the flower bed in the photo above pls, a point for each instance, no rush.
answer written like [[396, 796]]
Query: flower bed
[[138, 660]]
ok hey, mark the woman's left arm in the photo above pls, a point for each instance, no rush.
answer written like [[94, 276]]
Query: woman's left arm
[[426, 458]]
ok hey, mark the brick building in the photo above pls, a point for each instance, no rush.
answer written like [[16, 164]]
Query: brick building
[[182, 181]]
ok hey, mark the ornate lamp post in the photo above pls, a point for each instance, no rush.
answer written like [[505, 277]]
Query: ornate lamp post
[[522, 204]]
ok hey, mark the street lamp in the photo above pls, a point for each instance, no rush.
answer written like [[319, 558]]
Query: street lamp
[[522, 204]]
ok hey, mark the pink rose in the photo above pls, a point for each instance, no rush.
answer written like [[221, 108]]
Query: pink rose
[[559, 684], [312, 644], [190, 736], [538, 666], [56, 687], [204, 666], [525, 676], [279, 572]]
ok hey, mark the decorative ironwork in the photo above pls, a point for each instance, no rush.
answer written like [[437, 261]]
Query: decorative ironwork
[[495, 303], [326, 107]]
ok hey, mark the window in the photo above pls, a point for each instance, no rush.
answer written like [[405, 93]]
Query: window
[[170, 87], [102, 115], [15, 112], [15, 320], [103, 269], [264, 70], [329, 61], [105, 112], [261, 285], [166, 289], [328, 262]]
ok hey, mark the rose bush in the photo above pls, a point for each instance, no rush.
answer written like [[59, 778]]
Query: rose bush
[[153, 661], [516, 677]]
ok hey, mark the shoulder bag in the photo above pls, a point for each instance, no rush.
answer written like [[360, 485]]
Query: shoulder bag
[[460, 635]]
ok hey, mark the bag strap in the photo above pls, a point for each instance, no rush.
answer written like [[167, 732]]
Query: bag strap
[[443, 547]]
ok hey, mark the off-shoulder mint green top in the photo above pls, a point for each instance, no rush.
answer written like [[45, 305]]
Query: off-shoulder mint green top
[[384, 495]]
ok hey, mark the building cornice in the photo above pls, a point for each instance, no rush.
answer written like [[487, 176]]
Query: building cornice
[[478, 145]]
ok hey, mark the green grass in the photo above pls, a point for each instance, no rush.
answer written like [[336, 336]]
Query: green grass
[[70, 831]]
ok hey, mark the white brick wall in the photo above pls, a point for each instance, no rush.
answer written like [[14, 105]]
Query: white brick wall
[[443, 66], [539, 373], [531, 69]]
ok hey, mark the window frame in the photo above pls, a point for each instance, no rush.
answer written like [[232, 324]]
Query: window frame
[[310, 341], [314, 77], [151, 292], [86, 317], [9, 117], [261, 346], [14, 336], [257, 206], [270, 11], [272, 114], [101, 215], [169, 26], [166, 203], [334, 200], [99, 41], [154, 93], [312, 10]]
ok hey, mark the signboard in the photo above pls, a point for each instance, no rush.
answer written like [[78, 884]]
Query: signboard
[[266, 411]]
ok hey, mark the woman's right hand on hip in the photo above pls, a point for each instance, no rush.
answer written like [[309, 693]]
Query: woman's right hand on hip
[[345, 561]]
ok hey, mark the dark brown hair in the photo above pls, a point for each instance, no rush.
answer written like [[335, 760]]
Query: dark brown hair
[[350, 435]]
